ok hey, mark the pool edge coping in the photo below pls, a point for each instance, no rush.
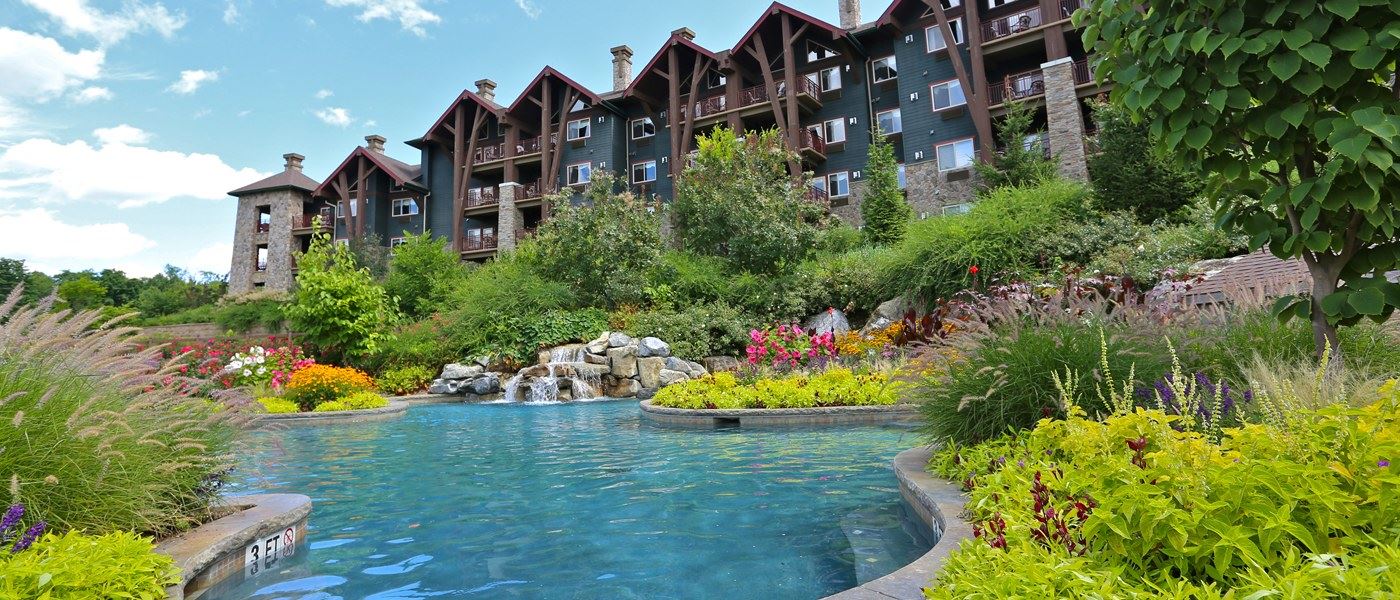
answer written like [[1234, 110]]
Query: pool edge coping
[[939, 503], [216, 546], [823, 415], [394, 409]]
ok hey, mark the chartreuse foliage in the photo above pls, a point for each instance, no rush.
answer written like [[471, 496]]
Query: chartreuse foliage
[[74, 566], [318, 384], [1303, 507], [1293, 109], [832, 387], [356, 401]]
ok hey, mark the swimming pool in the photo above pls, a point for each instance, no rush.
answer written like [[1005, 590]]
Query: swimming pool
[[580, 500]]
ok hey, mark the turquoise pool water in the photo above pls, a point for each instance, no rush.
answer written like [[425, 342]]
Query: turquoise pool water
[[580, 500]]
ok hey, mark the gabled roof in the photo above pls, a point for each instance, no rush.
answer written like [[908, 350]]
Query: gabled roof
[[551, 72], [655, 63], [777, 8], [400, 172], [465, 96], [289, 178]]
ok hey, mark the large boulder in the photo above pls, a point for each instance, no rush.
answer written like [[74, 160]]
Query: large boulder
[[482, 361], [587, 369], [623, 361], [676, 363], [646, 393], [669, 377], [599, 345], [596, 358], [621, 388], [444, 386], [650, 346], [461, 371], [695, 369], [829, 320], [488, 383], [719, 364], [649, 371], [886, 314], [617, 339]]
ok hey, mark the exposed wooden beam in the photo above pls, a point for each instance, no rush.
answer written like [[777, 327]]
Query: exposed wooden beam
[[790, 77], [458, 151], [673, 118], [701, 65]]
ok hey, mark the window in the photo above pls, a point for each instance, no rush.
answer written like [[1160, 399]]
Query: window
[[996, 3], [578, 130], [578, 174], [816, 52], [396, 242], [933, 35], [838, 185], [644, 172], [484, 133], [343, 242], [903, 179], [262, 258], [885, 69], [501, 129], [957, 209], [890, 122], [830, 79], [818, 183], [955, 155], [715, 79], [947, 95], [403, 207], [643, 128], [340, 209], [947, 4], [834, 131]]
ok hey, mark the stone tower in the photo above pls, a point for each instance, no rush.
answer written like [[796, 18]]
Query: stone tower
[[268, 211]]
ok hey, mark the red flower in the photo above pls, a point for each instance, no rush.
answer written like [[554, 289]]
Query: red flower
[[973, 269]]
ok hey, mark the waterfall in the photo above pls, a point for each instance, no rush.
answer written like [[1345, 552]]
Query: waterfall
[[543, 388]]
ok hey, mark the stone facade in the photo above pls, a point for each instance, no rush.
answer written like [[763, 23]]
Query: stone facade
[[244, 276], [932, 191], [509, 219], [1065, 118]]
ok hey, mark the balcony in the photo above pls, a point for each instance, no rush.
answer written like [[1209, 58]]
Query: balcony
[[524, 233], [1026, 20], [1040, 138], [479, 197], [308, 220], [478, 240], [817, 195], [705, 108], [531, 191], [1027, 84], [812, 145], [525, 147], [1083, 73]]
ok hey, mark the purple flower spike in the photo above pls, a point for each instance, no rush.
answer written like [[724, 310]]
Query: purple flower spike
[[28, 538], [8, 522], [1383, 463]]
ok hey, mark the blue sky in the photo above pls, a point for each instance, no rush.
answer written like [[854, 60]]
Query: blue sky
[[124, 122]]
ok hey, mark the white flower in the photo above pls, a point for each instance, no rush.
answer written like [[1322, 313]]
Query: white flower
[[247, 373], [261, 370], [236, 364], [261, 360]]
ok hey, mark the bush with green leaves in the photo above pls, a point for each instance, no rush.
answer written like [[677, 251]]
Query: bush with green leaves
[[79, 566], [418, 343], [1021, 160], [402, 381], [422, 274], [273, 405], [693, 331], [1130, 173], [336, 306], [357, 401], [82, 293], [244, 313], [97, 438], [883, 209], [605, 248], [830, 387], [489, 308], [738, 201], [848, 281], [518, 337]]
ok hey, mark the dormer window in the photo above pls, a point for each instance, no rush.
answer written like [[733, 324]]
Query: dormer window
[[816, 52]]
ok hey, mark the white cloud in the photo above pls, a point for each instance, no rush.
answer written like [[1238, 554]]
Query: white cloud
[[531, 9], [190, 81], [336, 116], [34, 67], [121, 134], [119, 170], [231, 13], [214, 258], [37, 235], [76, 17], [409, 13], [323, 94], [244, 113], [91, 94]]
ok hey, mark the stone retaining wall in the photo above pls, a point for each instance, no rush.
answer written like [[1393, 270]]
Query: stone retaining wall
[[764, 417], [395, 409], [217, 550], [939, 504]]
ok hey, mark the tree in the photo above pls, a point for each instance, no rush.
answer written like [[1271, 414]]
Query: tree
[[1292, 109], [737, 202], [371, 254], [121, 290], [37, 286], [605, 248], [82, 293], [336, 304], [1021, 161], [1128, 173], [422, 273], [884, 210], [12, 274]]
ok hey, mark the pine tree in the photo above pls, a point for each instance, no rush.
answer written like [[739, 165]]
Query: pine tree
[[1022, 161], [884, 209]]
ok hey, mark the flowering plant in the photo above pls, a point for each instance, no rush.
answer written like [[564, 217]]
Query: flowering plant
[[10, 527], [270, 367], [789, 345], [201, 366], [315, 384]]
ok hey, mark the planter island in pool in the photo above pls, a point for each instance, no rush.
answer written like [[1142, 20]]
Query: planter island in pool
[[765, 417]]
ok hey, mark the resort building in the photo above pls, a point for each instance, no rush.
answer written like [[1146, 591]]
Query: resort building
[[934, 75]]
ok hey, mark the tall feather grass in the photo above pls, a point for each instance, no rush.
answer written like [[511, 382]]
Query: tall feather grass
[[92, 439]]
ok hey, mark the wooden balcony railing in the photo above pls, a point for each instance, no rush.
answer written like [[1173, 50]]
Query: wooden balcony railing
[[813, 141], [490, 153], [1012, 24], [1067, 7], [1083, 74], [478, 197], [710, 106], [523, 148], [308, 220], [534, 189], [524, 233], [817, 195], [1042, 139], [479, 239], [1020, 86]]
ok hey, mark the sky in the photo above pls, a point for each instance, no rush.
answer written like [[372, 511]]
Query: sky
[[124, 123]]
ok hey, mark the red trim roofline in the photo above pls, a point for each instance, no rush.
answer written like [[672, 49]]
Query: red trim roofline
[[465, 95], [673, 40], [393, 172], [777, 7], [545, 72]]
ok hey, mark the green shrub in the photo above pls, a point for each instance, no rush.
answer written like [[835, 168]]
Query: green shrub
[[425, 342], [422, 274], [1149, 511], [1021, 159], [356, 401], [1129, 174], [337, 306], [242, 314], [832, 387], [849, 281], [838, 238], [75, 566], [95, 438], [682, 278], [884, 209], [695, 331], [405, 380], [508, 288], [277, 406], [1000, 235], [1225, 343], [605, 248]]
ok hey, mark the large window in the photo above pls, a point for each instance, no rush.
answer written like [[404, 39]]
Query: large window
[[643, 128], [644, 172], [996, 3], [403, 207], [579, 130], [833, 131], [890, 122], [885, 69], [947, 95], [838, 185], [830, 79], [933, 35], [578, 174], [955, 155]]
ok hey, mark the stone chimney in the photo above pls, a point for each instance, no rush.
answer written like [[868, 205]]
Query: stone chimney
[[850, 13], [293, 161], [685, 32], [486, 89], [375, 143], [622, 67]]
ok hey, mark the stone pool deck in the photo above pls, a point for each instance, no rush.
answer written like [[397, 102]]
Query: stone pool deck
[[771, 417], [393, 410], [216, 550], [938, 503]]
